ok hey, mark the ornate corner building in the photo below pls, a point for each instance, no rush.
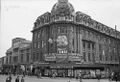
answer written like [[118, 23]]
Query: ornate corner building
[[69, 42]]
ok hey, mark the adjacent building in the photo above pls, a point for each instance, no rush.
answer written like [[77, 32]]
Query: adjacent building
[[18, 54], [68, 42]]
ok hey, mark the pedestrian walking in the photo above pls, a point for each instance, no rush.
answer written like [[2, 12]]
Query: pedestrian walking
[[17, 79], [116, 77], [8, 79], [98, 77], [22, 79], [80, 76]]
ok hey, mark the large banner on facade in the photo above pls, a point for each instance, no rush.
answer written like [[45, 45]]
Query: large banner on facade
[[62, 43]]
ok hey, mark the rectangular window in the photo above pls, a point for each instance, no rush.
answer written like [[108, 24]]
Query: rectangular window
[[100, 55], [88, 45], [28, 50], [83, 44], [10, 59], [37, 56], [35, 45], [84, 56], [21, 57], [21, 51], [38, 36], [73, 43], [27, 57], [93, 57], [33, 56], [35, 36], [38, 44], [15, 59], [93, 46], [89, 57], [100, 47]]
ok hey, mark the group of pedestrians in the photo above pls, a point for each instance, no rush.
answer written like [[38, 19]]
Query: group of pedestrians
[[17, 79]]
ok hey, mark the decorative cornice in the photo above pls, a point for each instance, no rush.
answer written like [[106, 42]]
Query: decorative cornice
[[78, 18]]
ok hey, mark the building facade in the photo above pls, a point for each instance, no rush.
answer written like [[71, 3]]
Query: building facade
[[68, 42], [1, 64], [18, 55]]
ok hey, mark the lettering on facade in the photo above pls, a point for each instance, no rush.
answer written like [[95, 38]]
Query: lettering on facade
[[50, 57], [75, 57]]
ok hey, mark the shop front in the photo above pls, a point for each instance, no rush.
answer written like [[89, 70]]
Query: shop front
[[69, 70]]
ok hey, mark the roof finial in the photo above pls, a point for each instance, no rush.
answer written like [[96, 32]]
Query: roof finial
[[62, 1]]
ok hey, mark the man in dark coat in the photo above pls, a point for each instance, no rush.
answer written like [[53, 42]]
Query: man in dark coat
[[8, 79], [17, 79]]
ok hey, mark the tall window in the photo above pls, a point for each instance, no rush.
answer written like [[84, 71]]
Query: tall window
[[35, 35], [21, 57], [89, 45], [100, 48], [73, 45], [93, 57], [38, 44], [15, 59], [7, 60], [10, 59], [27, 57], [38, 36], [83, 44], [84, 56], [37, 56], [33, 56], [93, 46], [35, 45], [89, 56], [100, 55]]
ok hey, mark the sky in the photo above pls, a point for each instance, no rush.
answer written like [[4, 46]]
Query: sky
[[18, 16]]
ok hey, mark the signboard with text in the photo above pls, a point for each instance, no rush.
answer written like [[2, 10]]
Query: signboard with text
[[50, 57], [75, 57]]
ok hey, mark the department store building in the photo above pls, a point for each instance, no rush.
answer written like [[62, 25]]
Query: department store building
[[66, 42]]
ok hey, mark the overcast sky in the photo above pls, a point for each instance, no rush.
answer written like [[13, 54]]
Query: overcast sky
[[18, 16]]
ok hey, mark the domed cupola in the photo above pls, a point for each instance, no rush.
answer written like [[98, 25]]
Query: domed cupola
[[62, 8]]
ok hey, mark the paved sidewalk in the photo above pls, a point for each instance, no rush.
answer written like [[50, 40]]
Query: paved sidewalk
[[47, 79]]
